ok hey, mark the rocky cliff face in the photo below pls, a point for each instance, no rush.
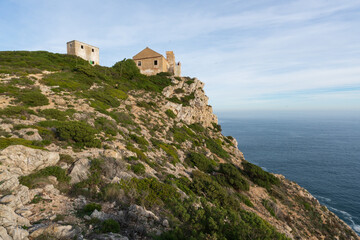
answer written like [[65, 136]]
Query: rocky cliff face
[[88, 153]]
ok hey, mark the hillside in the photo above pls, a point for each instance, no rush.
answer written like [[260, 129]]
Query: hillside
[[107, 153]]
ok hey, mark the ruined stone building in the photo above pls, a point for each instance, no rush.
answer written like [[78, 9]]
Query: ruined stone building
[[150, 62], [83, 50]]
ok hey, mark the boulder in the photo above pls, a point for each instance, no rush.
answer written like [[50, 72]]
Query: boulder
[[80, 171], [56, 231], [26, 159]]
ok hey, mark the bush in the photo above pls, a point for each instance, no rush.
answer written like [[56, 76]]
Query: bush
[[16, 111], [110, 225], [89, 208], [106, 125], [216, 127], [126, 68], [170, 113], [54, 114], [66, 159], [79, 133], [231, 176], [32, 98], [31, 180], [5, 142], [122, 117], [139, 140], [138, 168], [200, 161], [259, 176], [216, 148]]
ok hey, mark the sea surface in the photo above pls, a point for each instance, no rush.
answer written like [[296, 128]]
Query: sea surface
[[321, 154]]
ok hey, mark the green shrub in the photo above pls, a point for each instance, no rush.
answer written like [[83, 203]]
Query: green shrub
[[66, 159], [146, 105], [54, 114], [149, 192], [79, 133], [138, 152], [217, 127], [259, 176], [89, 208], [32, 98], [186, 99], [197, 127], [106, 125], [216, 148], [179, 90], [126, 68], [268, 205], [122, 117], [138, 168], [229, 175], [5, 142], [139, 140], [90, 186], [200, 161], [31, 180], [174, 99], [170, 113], [170, 151], [110, 225], [16, 111]]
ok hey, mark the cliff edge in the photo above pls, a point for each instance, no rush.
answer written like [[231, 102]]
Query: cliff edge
[[108, 153]]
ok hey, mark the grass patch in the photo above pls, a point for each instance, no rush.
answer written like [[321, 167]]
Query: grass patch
[[215, 147], [200, 161], [5, 142], [170, 113], [32, 180], [259, 176], [138, 168]]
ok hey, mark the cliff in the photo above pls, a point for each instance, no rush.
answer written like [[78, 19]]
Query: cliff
[[107, 153]]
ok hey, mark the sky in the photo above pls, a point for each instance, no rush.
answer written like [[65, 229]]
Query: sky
[[281, 55]]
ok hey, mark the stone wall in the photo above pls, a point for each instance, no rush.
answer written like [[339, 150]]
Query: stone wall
[[148, 67], [83, 50]]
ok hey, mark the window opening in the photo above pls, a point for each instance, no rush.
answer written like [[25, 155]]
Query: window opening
[[155, 62], [139, 63], [92, 50], [82, 47]]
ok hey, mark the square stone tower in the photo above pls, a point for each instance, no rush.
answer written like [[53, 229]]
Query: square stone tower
[[83, 50]]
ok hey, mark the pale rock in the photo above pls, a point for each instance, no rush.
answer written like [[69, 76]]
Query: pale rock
[[27, 159], [6, 127], [7, 199], [140, 213], [100, 215], [19, 234], [9, 181], [165, 223], [51, 189], [33, 137], [56, 231], [4, 235], [111, 236], [53, 180], [109, 153], [80, 171]]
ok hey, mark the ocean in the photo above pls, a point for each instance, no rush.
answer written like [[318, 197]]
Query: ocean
[[321, 154]]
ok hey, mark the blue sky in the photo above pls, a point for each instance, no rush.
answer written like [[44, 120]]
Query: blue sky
[[252, 55]]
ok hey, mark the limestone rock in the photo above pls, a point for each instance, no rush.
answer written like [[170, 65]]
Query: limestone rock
[[111, 236], [30, 134], [27, 159], [9, 181], [140, 213], [80, 171], [3, 234], [56, 231]]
